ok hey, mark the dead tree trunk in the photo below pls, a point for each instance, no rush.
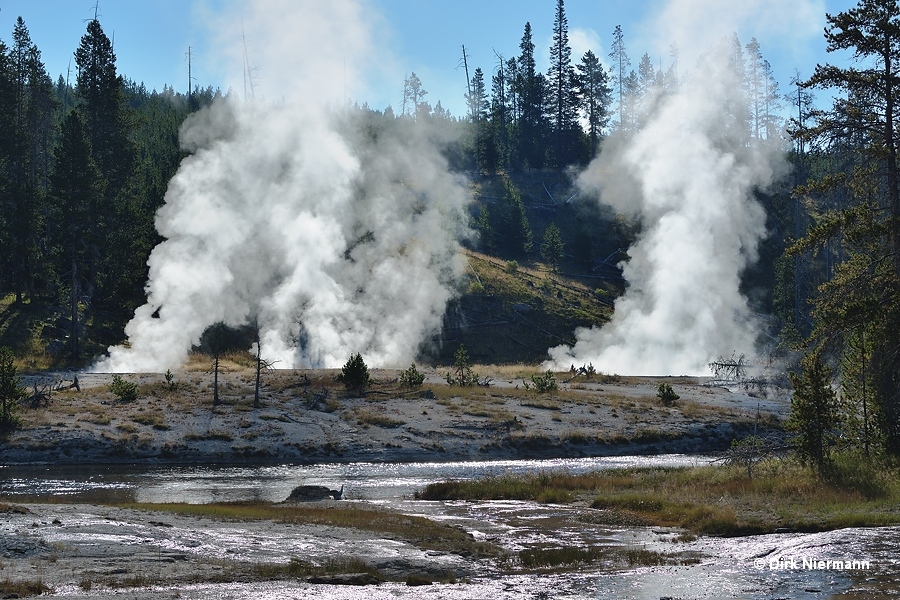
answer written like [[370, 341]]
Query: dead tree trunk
[[216, 400], [73, 336]]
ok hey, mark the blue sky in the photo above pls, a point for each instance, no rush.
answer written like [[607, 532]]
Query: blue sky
[[152, 37]]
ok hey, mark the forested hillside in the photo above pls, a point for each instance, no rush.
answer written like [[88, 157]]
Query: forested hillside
[[85, 164]]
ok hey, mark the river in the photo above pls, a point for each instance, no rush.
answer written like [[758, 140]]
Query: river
[[786, 565]]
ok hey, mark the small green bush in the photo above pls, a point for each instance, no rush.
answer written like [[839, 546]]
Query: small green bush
[[412, 378], [545, 383], [355, 374], [125, 391], [512, 267], [666, 394], [462, 374], [476, 288], [170, 380]]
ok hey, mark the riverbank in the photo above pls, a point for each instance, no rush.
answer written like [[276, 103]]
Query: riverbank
[[306, 417], [781, 496], [494, 548]]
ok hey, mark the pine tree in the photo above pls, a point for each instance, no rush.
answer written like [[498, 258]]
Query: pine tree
[[531, 96], [512, 230], [355, 374], [865, 289], [755, 86], [11, 390], [762, 91], [646, 89], [514, 115], [21, 216], [861, 302], [772, 120], [621, 62], [859, 407], [629, 117], [500, 112], [561, 90], [76, 188], [30, 158], [485, 152], [814, 412], [102, 108], [872, 31], [100, 92], [737, 105], [552, 248], [414, 96], [8, 193], [486, 230], [595, 95]]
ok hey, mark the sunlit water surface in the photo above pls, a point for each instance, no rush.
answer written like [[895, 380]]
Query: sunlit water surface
[[757, 567]]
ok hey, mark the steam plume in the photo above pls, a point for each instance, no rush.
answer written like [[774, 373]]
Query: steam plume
[[333, 231], [688, 175]]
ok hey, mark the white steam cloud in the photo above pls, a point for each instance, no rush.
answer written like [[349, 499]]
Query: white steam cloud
[[330, 230], [688, 175]]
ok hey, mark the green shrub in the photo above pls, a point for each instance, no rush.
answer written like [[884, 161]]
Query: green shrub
[[462, 374], [125, 391], [666, 394], [512, 267], [170, 380], [476, 288], [412, 378], [355, 374], [11, 390], [545, 383]]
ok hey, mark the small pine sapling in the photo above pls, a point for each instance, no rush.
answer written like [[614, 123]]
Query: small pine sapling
[[666, 394], [462, 374], [125, 391], [544, 383], [355, 374], [412, 378]]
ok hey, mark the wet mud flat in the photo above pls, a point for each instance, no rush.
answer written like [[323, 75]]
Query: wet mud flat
[[94, 551]]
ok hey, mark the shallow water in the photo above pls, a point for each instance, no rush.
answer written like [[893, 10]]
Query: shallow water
[[757, 567], [371, 481]]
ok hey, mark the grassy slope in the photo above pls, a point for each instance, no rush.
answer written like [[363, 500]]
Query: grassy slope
[[488, 321], [514, 316]]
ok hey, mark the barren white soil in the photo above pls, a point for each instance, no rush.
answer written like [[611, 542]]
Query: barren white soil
[[306, 416]]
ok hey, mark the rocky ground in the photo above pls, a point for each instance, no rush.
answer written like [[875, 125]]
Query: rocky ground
[[306, 416]]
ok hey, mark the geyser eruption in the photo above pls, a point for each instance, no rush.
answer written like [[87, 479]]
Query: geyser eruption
[[689, 176], [332, 231]]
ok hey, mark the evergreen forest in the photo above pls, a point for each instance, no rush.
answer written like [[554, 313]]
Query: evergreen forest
[[85, 164]]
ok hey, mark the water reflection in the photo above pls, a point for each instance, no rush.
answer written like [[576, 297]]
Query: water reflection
[[726, 567], [372, 481]]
